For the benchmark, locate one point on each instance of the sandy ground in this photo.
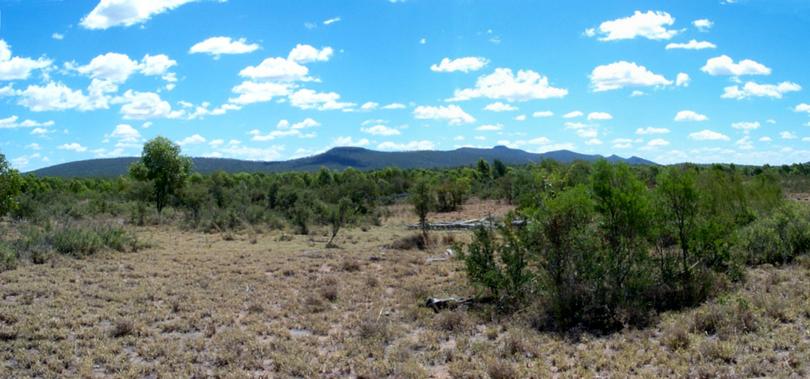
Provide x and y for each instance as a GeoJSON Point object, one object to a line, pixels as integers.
{"type": "Point", "coordinates": [280, 305]}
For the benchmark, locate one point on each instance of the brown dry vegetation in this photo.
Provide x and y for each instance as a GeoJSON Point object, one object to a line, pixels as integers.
{"type": "Point", "coordinates": [280, 305]}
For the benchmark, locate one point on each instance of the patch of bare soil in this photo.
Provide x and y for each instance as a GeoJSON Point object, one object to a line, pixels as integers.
{"type": "Point", "coordinates": [198, 305]}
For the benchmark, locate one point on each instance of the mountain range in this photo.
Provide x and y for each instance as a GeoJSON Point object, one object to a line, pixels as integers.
{"type": "Point", "coordinates": [339, 158]}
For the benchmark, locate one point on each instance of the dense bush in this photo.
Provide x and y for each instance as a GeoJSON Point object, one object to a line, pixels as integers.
{"type": "Point", "coordinates": [608, 246]}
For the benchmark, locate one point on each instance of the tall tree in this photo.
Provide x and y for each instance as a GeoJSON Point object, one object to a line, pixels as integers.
{"type": "Point", "coordinates": [162, 165]}
{"type": "Point", "coordinates": [10, 186]}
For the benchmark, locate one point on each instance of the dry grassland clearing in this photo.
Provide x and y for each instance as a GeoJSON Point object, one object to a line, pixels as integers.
{"type": "Point", "coordinates": [280, 305]}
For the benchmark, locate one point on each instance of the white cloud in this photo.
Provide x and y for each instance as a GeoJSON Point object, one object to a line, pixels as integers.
{"type": "Point", "coordinates": [587, 133]}
{"type": "Point", "coordinates": [622, 143]}
{"type": "Point", "coordinates": [308, 54]}
{"type": "Point", "coordinates": [465, 64]}
{"type": "Point", "coordinates": [765, 139]}
{"type": "Point", "coordinates": [381, 130]}
{"type": "Point", "coordinates": [651, 130]}
{"type": "Point", "coordinates": [687, 115]}
{"type": "Point", "coordinates": [703, 24]}
{"type": "Point", "coordinates": [238, 151]}
{"type": "Point", "coordinates": [489, 128]}
{"type": "Point", "coordinates": [11, 123]}
{"type": "Point", "coordinates": [74, 146]}
{"type": "Point", "coordinates": [331, 21]}
{"type": "Point", "coordinates": [624, 74]}
{"type": "Point", "coordinates": [575, 125]}
{"type": "Point", "coordinates": [503, 84]}
{"type": "Point", "coordinates": [658, 142]}
{"type": "Point", "coordinates": [422, 41]}
{"type": "Point", "coordinates": [691, 45]}
{"type": "Point", "coordinates": [277, 69]}
{"type": "Point", "coordinates": [216, 143]}
{"type": "Point", "coordinates": [195, 139]}
{"type": "Point", "coordinates": [724, 65]}
{"type": "Point", "coordinates": [112, 67]}
{"type": "Point", "coordinates": [126, 133]}
{"type": "Point", "coordinates": [573, 114]}
{"type": "Point", "coordinates": [752, 89]}
{"type": "Point", "coordinates": [803, 107]}
{"type": "Point", "coordinates": [349, 141]}
{"type": "Point", "coordinates": [144, 106]}
{"type": "Point", "coordinates": [500, 107]}
{"type": "Point", "coordinates": [152, 65]}
{"type": "Point", "coordinates": [250, 92]}
{"type": "Point", "coordinates": [682, 80]}
{"type": "Point", "coordinates": [599, 116]}
{"type": "Point", "coordinates": [109, 13]}
{"type": "Point", "coordinates": [394, 106]}
{"type": "Point", "coordinates": [370, 105]}
{"type": "Point", "coordinates": [542, 114]}
{"type": "Point", "coordinates": [452, 113]}
{"type": "Point", "coordinates": [217, 46]}
{"type": "Point", "coordinates": [57, 36]}
{"type": "Point", "coordinates": [651, 25]}
{"type": "Point", "coordinates": [787, 135]}
{"type": "Point", "coordinates": [745, 143]}
{"type": "Point", "coordinates": [18, 68]}
{"type": "Point", "coordinates": [745, 126]}
{"type": "Point", "coordinates": [637, 93]}
{"type": "Point", "coordinates": [57, 97]}
{"type": "Point", "coordinates": [708, 135]}
{"type": "Point", "coordinates": [309, 99]}
{"type": "Point", "coordinates": [409, 146]}
{"type": "Point", "coordinates": [520, 117]}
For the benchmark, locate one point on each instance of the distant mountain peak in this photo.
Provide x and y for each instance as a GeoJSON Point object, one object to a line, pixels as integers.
{"type": "Point", "coordinates": [340, 158]}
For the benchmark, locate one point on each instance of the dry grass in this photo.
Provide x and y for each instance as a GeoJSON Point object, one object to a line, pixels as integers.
{"type": "Point", "coordinates": [199, 305]}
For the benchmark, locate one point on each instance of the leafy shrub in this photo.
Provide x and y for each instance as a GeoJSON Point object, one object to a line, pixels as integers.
{"type": "Point", "coordinates": [76, 241]}
{"type": "Point", "coordinates": [778, 238]}
{"type": "Point", "coordinates": [498, 265]}
{"type": "Point", "coordinates": [8, 257]}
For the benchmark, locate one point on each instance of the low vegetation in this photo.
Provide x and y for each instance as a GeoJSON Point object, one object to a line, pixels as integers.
{"type": "Point", "coordinates": [588, 270]}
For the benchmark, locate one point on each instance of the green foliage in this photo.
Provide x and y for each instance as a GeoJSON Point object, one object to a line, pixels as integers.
{"type": "Point", "coordinates": [498, 265]}
{"type": "Point", "coordinates": [423, 200]}
{"type": "Point", "coordinates": [8, 257]}
{"type": "Point", "coordinates": [451, 193]}
{"type": "Point", "coordinates": [678, 201]}
{"type": "Point", "coordinates": [338, 215]}
{"type": "Point", "coordinates": [162, 165]}
{"type": "Point", "coordinates": [10, 187]}
{"type": "Point", "coordinates": [778, 238]}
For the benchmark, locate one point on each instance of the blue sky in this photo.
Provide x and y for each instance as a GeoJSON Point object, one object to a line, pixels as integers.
{"type": "Point", "coordinates": [700, 81]}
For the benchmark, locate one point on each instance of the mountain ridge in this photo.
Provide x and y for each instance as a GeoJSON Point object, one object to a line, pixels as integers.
{"type": "Point", "coordinates": [339, 158]}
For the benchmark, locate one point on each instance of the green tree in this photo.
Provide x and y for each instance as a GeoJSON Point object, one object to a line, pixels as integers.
{"type": "Point", "coordinates": [10, 186]}
{"type": "Point", "coordinates": [423, 201]}
{"type": "Point", "coordinates": [338, 215]}
{"type": "Point", "coordinates": [483, 170]}
{"type": "Point", "coordinates": [679, 199]}
{"type": "Point", "coordinates": [162, 165]}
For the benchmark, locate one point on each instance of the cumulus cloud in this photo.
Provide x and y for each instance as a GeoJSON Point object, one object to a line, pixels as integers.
{"type": "Point", "coordinates": [542, 114]}
{"type": "Point", "coordinates": [18, 68]}
{"type": "Point", "coordinates": [746, 126]}
{"type": "Point", "coordinates": [55, 96]}
{"type": "Point", "coordinates": [308, 54]}
{"type": "Point", "coordinates": [787, 135]}
{"type": "Point", "coordinates": [394, 106]}
{"type": "Point", "coordinates": [708, 135]}
{"type": "Point", "coordinates": [349, 141]}
{"type": "Point", "coordinates": [310, 99]}
{"type": "Point", "coordinates": [277, 69]}
{"type": "Point", "coordinates": [651, 25]}
{"type": "Point", "coordinates": [573, 114]}
{"type": "Point", "coordinates": [109, 13]}
{"type": "Point", "coordinates": [465, 64]}
{"type": "Point", "coordinates": [725, 66]}
{"type": "Point", "coordinates": [504, 84]}
{"type": "Point", "coordinates": [624, 74]}
{"type": "Point", "coordinates": [331, 21]}
{"type": "Point", "coordinates": [703, 24]}
{"type": "Point", "coordinates": [125, 133]}
{"type": "Point", "coordinates": [500, 107]}
{"type": "Point", "coordinates": [687, 115]}
{"type": "Point", "coordinates": [691, 45]}
{"type": "Point", "coordinates": [217, 46]}
{"type": "Point", "coordinates": [249, 92]}
{"type": "Point", "coordinates": [144, 106]}
{"type": "Point", "coordinates": [408, 146]}
{"type": "Point", "coordinates": [682, 79]}
{"type": "Point", "coordinates": [453, 114]}
{"type": "Point", "coordinates": [803, 107]}
{"type": "Point", "coordinates": [380, 130]}
{"type": "Point", "coordinates": [489, 128]}
{"type": "Point", "coordinates": [651, 130]}
{"type": "Point", "coordinates": [657, 142]}
{"type": "Point", "coordinates": [753, 89]}
{"type": "Point", "coordinates": [11, 122]}
{"type": "Point", "coordinates": [73, 146]}
{"type": "Point", "coordinates": [599, 116]}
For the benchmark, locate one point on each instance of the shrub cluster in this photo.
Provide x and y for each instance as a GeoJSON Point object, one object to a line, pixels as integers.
{"type": "Point", "coordinates": [607, 247]}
